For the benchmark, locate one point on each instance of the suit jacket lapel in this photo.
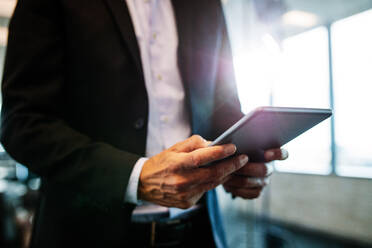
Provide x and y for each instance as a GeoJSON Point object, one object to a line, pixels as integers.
{"type": "Point", "coordinates": [123, 20]}
{"type": "Point", "coordinates": [196, 59]}
{"type": "Point", "coordinates": [184, 13]}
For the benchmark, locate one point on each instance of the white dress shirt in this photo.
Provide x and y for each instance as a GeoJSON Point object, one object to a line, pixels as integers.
{"type": "Point", "coordinates": [168, 123]}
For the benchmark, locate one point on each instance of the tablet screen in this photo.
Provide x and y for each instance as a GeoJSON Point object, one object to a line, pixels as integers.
{"type": "Point", "coordinates": [270, 127]}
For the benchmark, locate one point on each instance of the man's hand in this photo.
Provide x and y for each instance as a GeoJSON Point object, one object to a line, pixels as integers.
{"type": "Point", "coordinates": [249, 181]}
{"type": "Point", "coordinates": [176, 177]}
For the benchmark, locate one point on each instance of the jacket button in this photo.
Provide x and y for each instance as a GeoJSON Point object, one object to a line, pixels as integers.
{"type": "Point", "coordinates": [139, 123]}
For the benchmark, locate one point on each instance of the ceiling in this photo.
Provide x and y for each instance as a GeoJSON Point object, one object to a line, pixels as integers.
{"type": "Point", "coordinates": [288, 17]}
{"type": "Point", "coordinates": [330, 10]}
{"type": "Point", "coordinates": [326, 11]}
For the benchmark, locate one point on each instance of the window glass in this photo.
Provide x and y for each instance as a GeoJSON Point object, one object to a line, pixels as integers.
{"type": "Point", "coordinates": [304, 82]}
{"type": "Point", "coordinates": [255, 73]}
{"type": "Point", "coordinates": [352, 69]}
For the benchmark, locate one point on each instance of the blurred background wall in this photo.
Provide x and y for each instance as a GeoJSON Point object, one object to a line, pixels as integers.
{"type": "Point", "coordinates": [308, 54]}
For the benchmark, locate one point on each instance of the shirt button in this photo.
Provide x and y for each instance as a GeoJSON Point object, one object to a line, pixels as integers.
{"type": "Point", "coordinates": [159, 77]}
{"type": "Point", "coordinates": [139, 123]}
{"type": "Point", "coordinates": [154, 35]}
{"type": "Point", "coordinates": [164, 118]}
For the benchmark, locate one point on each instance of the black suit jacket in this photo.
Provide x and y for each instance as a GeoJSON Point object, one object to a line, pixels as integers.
{"type": "Point", "coordinates": [75, 107]}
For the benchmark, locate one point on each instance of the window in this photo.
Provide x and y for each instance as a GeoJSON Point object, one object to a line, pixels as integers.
{"type": "Point", "coordinates": [352, 70]}
{"type": "Point", "coordinates": [299, 72]}
{"type": "Point", "coordinates": [304, 82]}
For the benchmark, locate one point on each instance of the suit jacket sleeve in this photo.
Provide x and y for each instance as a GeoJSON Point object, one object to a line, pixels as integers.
{"type": "Point", "coordinates": [33, 129]}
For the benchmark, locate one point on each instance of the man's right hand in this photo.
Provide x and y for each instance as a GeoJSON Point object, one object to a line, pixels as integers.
{"type": "Point", "coordinates": [176, 177]}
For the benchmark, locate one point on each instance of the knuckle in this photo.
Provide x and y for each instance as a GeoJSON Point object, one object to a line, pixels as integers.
{"type": "Point", "coordinates": [182, 161]}
{"type": "Point", "coordinates": [261, 170]}
{"type": "Point", "coordinates": [197, 138]}
{"type": "Point", "coordinates": [222, 171]}
{"type": "Point", "coordinates": [196, 160]}
{"type": "Point", "coordinates": [183, 197]}
{"type": "Point", "coordinates": [179, 187]}
{"type": "Point", "coordinates": [218, 151]}
{"type": "Point", "coordinates": [172, 161]}
{"type": "Point", "coordinates": [236, 163]}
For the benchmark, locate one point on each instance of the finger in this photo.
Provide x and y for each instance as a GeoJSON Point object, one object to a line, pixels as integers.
{"type": "Point", "coordinates": [190, 144]}
{"type": "Point", "coordinates": [209, 142]}
{"type": "Point", "coordinates": [255, 170]}
{"type": "Point", "coordinates": [219, 171]}
{"type": "Point", "coordinates": [245, 182]}
{"type": "Point", "coordinates": [211, 185]}
{"type": "Point", "coordinates": [192, 183]}
{"type": "Point", "coordinates": [199, 188]}
{"type": "Point", "coordinates": [276, 154]}
{"type": "Point", "coordinates": [244, 193]}
{"type": "Point", "coordinates": [203, 156]}
{"type": "Point", "coordinates": [195, 194]}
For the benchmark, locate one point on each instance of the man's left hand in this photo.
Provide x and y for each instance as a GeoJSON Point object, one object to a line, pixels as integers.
{"type": "Point", "coordinates": [249, 181]}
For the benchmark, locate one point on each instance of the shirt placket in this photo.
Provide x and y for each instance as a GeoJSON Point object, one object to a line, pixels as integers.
{"type": "Point", "coordinates": [157, 75]}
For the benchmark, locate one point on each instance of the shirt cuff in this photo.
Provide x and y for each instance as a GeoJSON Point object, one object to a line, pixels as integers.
{"type": "Point", "coordinates": [131, 194]}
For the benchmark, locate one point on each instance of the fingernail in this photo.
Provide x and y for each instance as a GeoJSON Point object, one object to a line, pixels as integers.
{"type": "Point", "coordinates": [257, 181]}
{"type": "Point", "coordinates": [270, 154]}
{"type": "Point", "coordinates": [243, 159]}
{"type": "Point", "coordinates": [230, 149]}
{"type": "Point", "coordinates": [266, 180]}
{"type": "Point", "coordinates": [284, 154]}
{"type": "Point", "coordinates": [269, 169]}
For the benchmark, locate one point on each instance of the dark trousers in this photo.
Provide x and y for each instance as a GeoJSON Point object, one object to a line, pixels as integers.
{"type": "Point", "coordinates": [194, 231]}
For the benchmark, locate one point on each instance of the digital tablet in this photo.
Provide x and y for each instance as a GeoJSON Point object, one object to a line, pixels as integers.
{"type": "Point", "coordinates": [270, 127]}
